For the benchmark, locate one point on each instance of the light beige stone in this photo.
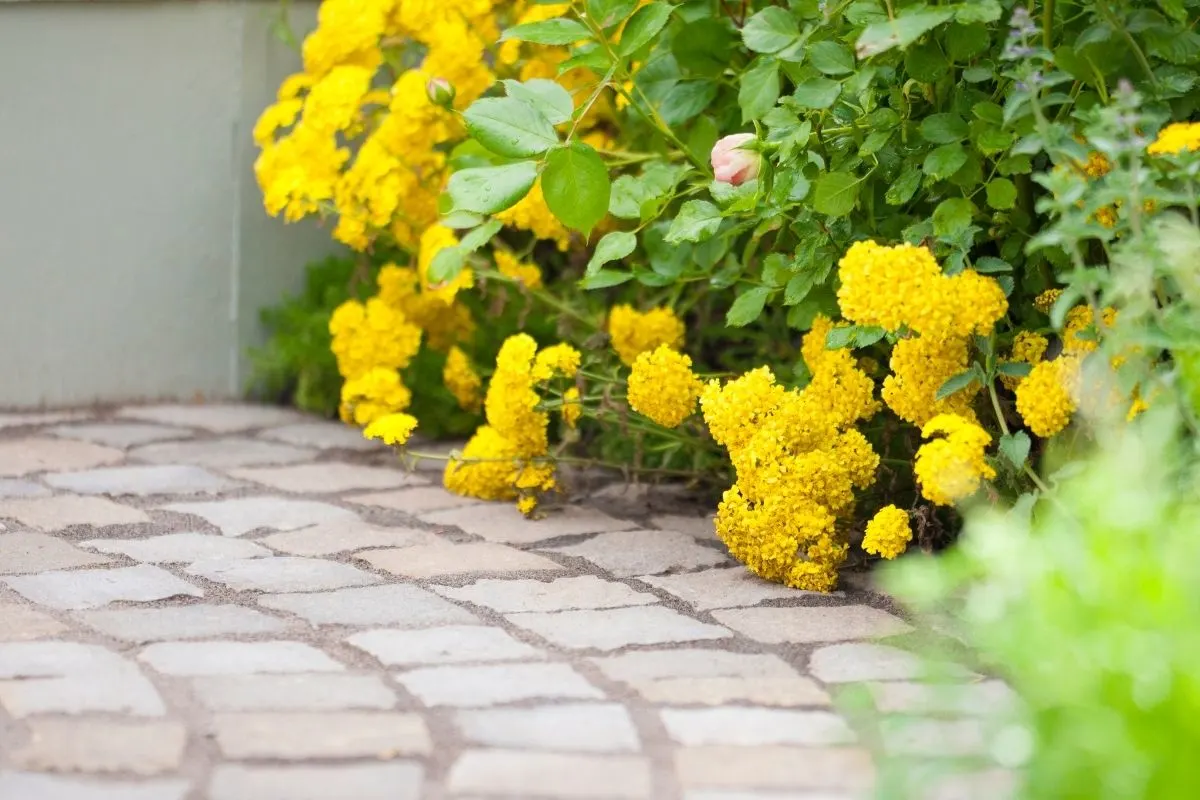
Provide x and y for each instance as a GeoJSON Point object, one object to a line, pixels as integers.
{"type": "Point", "coordinates": [446, 560]}
{"type": "Point", "coordinates": [345, 536]}
{"type": "Point", "coordinates": [37, 552]}
{"type": "Point", "coordinates": [519, 773]}
{"type": "Point", "coordinates": [720, 588]}
{"type": "Point", "coordinates": [578, 592]}
{"type": "Point", "coordinates": [507, 525]}
{"type": "Point", "coordinates": [415, 500]}
{"type": "Point", "coordinates": [773, 767]}
{"type": "Point", "coordinates": [20, 623]}
{"type": "Point", "coordinates": [56, 513]}
{"type": "Point", "coordinates": [101, 745]}
{"type": "Point", "coordinates": [327, 477]}
{"type": "Point", "coordinates": [37, 454]}
{"type": "Point", "coordinates": [803, 624]}
{"type": "Point", "coordinates": [297, 735]}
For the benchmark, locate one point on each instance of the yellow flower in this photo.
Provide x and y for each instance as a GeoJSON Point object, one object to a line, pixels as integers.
{"type": "Point", "coordinates": [1079, 330]}
{"type": "Point", "coordinates": [733, 411]}
{"type": "Point", "coordinates": [560, 359]}
{"type": "Point", "coordinates": [1106, 217]}
{"type": "Point", "coordinates": [1176, 138]}
{"type": "Point", "coordinates": [293, 85]}
{"type": "Point", "coordinates": [663, 387]}
{"type": "Point", "coordinates": [434, 240]}
{"type": "Point", "coordinates": [952, 468]}
{"type": "Point", "coordinates": [529, 275]}
{"type": "Point", "coordinates": [371, 335]}
{"type": "Point", "coordinates": [373, 395]}
{"type": "Point", "coordinates": [1028, 348]}
{"type": "Point", "coordinates": [1096, 166]}
{"type": "Point", "coordinates": [511, 403]}
{"type": "Point", "coordinates": [394, 429]}
{"type": "Point", "coordinates": [444, 323]}
{"type": "Point", "coordinates": [1046, 300]}
{"type": "Point", "coordinates": [634, 332]}
{"type": "Point", "coordinates": [333, 102]}
{"type": "Point", "coordinates": [462, 380]}
{"type": "Point", "coordinates": [1045, 396]}
{"type": "Point", "coordinates": [280, 115]}
{"type": "Point", "coordinates": [485, 469]}
{"type": "Point", "coordinates": [299, 172]}
{"type": "Point", "coordinates": [572, 408]}
{"type": "Point", "coordinates": [920, 366]}
{"type": "Point", "coordinates": [348, 32]}
{"type": "Point", "coordinates": [888, 533]}
{"type": "Point", "coordinates": [531, 214]}
{"type": "Point", "coordinates": [527, 504]}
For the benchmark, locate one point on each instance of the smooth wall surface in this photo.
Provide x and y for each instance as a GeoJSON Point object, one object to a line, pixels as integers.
{"type": "Point", "coordinates": [134, 250]}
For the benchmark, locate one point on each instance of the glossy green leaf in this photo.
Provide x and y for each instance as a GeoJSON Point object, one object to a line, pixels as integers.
{"type": "Point", "coordinates": [835, 193]}
{"type": "Point", "coordinates": [604, 278]}
{"type": "Point", "coordinates": [576, 186]}
{"type": "Point", "coordinates": [830, 58]}
{"type": "Point", "coordinates": [612, 247]}
{"type": "Point", "coordinates": [489, 190]}
{"type": "Point", "coordinates": [747, 307]}
{"type": "Point", "coordinates": [759, 90]}
{"type": "Point", "coordinates": [696, 221]}
{"type": "Point", "coordinates": [551, 31]}
{"type": "Point", "coordinates": [952, 216]}
{"type": "Point", "coordinates": [880, 37]}
{"type": "Point", "coordinates": [817, 93]}
{"type": "Point", "coordinates": [944, 161]}
{"type": "Point", "coordinates": [770, 30]}
{"type": "Point", "coordinates": [509, 127]}
{"type": "Point", "coordinates": [1001, 193]}
{"type": "Point", "coordinates": [643, 26]}
{"type": "Point", "coordinates": [1015, 448]}
{"type": "Point", "coordinates": [546, 96]}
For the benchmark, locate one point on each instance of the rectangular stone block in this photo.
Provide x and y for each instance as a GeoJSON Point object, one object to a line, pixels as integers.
{"type": "Point", "coordinates": [450, 561]}
{"type": "Point", "coordinates": [20, 623]}
{"type": "Point", "coordinates": [30, 785]}
{"type": "Point", "coordinates": [614, 628]}
{"type": "Point", "coordinates": [451, 644]}
{"type": "Point", "coordinates": [316, 692]}
{"type": "Point", "coordinates": [524, 774]}
{"type": "Point", "coordinates": [394, 781]}
{"type": "Point", "coordinates": [327, 477]}
{"type": "Point", "coordinates": [297, 735]}
{"type": "Point", "coordinates": [55, 513]}
{"type": "Point", "coordinates": [236, 658]}
{"type": "Point", "coordinates": [774, 767]}
{"type": "Point", "coordinates": [181, 622]}
{"type": "Point", "coordinates": [561, 594]}
{"type": "Point", "coordinates": [467, 687]}
{"type": "Point", "coordinates": [38, 552]}
{"type": "Point", "coordinates": [281, 574]}
{"type": "Point", "coordinates": [754, 727]}
{"type": "Point", "coordinates": [506, 525]}
{"type": "Point", "coordinates": [92, 588]}
{"type": "Point", "coordinates": [582, 727]}
{"type": "Point", "coordinates": [94, 745]}
{"type": "Point", "coordinates": [72, 678]}
{"type": "Point", "coordinates": [391, 604]}
{"type": "Point", "coordinates": [804, 624]}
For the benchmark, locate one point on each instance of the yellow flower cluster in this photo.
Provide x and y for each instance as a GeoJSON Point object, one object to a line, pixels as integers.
{"type": "Point", "coordinates": [1176, 138]}
{"type": "Point", "coordinates": [1045, 397]}
{"type": "Point", "coordinates": [529, 275]}
{"type": "Point", "coordinates": [951, 468]}
{"type": "Point", "coordinates": [444, 323]}
{"type": "Point", "coordinates": [798, 460]}
{"type": "Point", "coordinates": [888, 533]}
{"type": "Point", "coordinates": [1027, 348]}
{"type": "Point", "coordinates": [374, 394]}
{"type": "Point", "coordinates": [633, 332]}
{"type": "Point", "coordinates": [371, 335]}
{"type": "Point", "coordinates": [461, 379]}
{"type": "Point", "coordinates": [393, 429]}
{"type": "Point", "coordinates": [663, 387]}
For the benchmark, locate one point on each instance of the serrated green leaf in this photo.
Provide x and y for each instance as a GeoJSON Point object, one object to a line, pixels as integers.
{"type": "Point", "coordinates": [944, 161]}
{"type": "Point", "coordinates": [904, 187]}
{"type": "Point", "coordinates": [696, 221]}
{"type": "Point", "coordinates": [576, 187]}
{"type": "Point", "coordinates": [1014, 369]}
{"type": "Point", "coordinates": [551, 31]}
{"type": "Point", "coordinates": [604, 278]}
{"type": "Point", "coordinates": [770, 30]}
{"type": "Point", "coordinates": [552, 100]}
{"type": "Point", "coordinates": [835, 193]}
{"type": "Point", "coordinates": [509, 127]}
{"type": "Point", "coordinates": [830, 58]}
{"type": "Point", "coordinates": [446, 265]}
{"type": "Point", "coordinates": [480, 236]}
{"type": "Point", "coordinates": [989, 265]}
{"type": "Point", "coordinates": [1001, 193]}
{"type": "Point", "coordinates": [612, 247]}
{"type": "Point", "coordinates": [490, 190]}
{"type": "Point", "coordinates": [944, 128]}
{"type": "Point", "coordinates": [952, 216]}
{"type": "Point", "coordinates": [643, 26]}
{"type": "Point", "coordinates": [959, 382]}
{"type": "Point", "coordinates": [1015, 448]}
{"type": "Point", "coordinates": [879, 37]}
{"type": "Point", "coordinates": [607, 13]}
{"type": "Point", "coordinates": [817, 93]}
{"type": "Point", "coordinates": [747, 307]}
{"type": "Point", "coordinates": [759, 90]}
{"type": "Point", "coordinates": [978, 11]}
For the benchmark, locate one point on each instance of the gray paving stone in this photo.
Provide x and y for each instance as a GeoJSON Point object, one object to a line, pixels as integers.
{"type": "Point", "coordinates": [56, 513]}
{"type": "Point", "coordinates": [29, 419]}
{"type": "Point", "coordinates": [524, 774]}
{"type": "Point", "coordinates": [20, 623]}
{"type": "Point", "coordinates": [391, 604]}
{"type": "Point", "coordinates": [579, 727]}
{"type": "Point", "coordinates": [327, 477]}
{"type": "Point", "coordinates": [721, 588]}
{"type": "Point", "coordinates": [141, 481]}
{"type": "Point", "coordinates": [16, 488]}
{"type": "Point", "coordinates": [754, 727]}
{"type": "Point", "coordinates": [447, 561]}
{"type": "Point", "coordinates": [318, 692]}
{"type": "Point", "coordinates": [345, 536]}
{"type": "Point", "coordinates": [39, 552]}
{"type": "Point", "coordinates": [613, 628]}
{"type": "Point", "coordinates": [863, 661]}
{"type": "Point", "coordinates": [92, 588]}
{"type": "Point", "coordinates": [801, 624]}
{"type": "Point", "coordinates": [702, 528]}
{"type": "Point", "coordinates": [493, 684]}
{"type": "Point", "coordinates": [20, 457]}
{"type": "Point", "coordinates": [95, 745]}
{"type": "Point", "coordinates": [244, 514]}
{"type": "Point", "coordinates": [983, 698]}
{"type": "Point", "coordinates": [300, 735]}
{"type": "Point", "coordinates": [933, 738]}
{"type": "Point", "coordinates": [172, 623]}
{"type": "Point", "coordinates": [236, 658]}
{"type": "Point", "coordinates": [774, 767]}
{"type": "Point", "coordinates": [122, 435]}
{"type": "Point", "coordinates": [450, 644]}
{"type": "Point", "coordinates": [414, 500]}
{"type": "Point", "coordinates": [629, 553]}
{"type": "Point", "coordinates": [178, 548]}
{"type": "Point", "coordinates": [72, 678]}
{"type": "Point", "coordinates": [223, 418]}
{"type": "Point", "coordinates": [579, 592]}
{"type": "Point", "coordinates": [322, 435]}
{"type": "Point", "coordinates": [222, 453]}
{"type": "Point", "coordinates": [281, 574]}
{"type": "Point", "coordinates": [32, 786]}
{"type": "Point", "coordinates": [396, 781]}
{"type": "Point", "coordinates": [712, 677]}
{"type": "Point", "coordinates": [505, 524]}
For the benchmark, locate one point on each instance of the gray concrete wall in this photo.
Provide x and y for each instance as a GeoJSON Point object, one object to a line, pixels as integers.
{"type": "Point", "coordinates": [134, 250]}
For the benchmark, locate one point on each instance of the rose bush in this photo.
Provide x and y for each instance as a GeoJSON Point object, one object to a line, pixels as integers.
{"type": "Point", "coordinates": [832, 257]}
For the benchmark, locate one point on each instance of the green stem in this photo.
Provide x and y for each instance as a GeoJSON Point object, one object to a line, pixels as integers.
{"type": "Point", "coordinates": [1047, 23]}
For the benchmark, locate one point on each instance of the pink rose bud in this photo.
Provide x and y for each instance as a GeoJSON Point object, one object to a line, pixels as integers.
{"type": "Point", "coordinates": [731, 164]}
{"type": "Point", "coordinates": [440, 92]}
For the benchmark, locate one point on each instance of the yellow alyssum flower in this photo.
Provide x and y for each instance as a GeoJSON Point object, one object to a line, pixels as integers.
{"type": "Point", "coordinates": [299, 172]}
{"type": "Point", "coordinates": [663, 387]}
{"type": "Point", "coordinates": [485, 469]}
{"type": "Point", "coordinates": [634, 332]}
{"type": "Point", "coordinates": [333, 102]}
{"type": "Point", "coordinates": [920, 366]}
{"type": "Point", "coordinates": [839, 391]}
{"type": "Point", "coordinates": [1045, 397]}
{"type": "Point", "coordinates": [951, 468]}
{"type": "Point", "coordinates": [560, 360]}
{"type": "Point", "coordinates": [348, 32]}
{"type": "Point", "coordinates": [293, 86]}
{"type": "Point", "coordinates": [462, 380]}
{"type": "Point", "coordinates": [529, 275]}
{"type": "Point", "coordinates": [372, 395]}
{"type": "Point", "coordinates": [371, 335]}
{"type": "Point", "coordinates": [1096, 166]}
{"type": "Point", "coordinates": [733, 411]}
{"type": "Point", "coordinates": [1045, 301]}
{"type": "Point", "coordinates": [444, 324]}
{"type": "Point", "coordinates": [393, 429]}
{"type": "Point", "coordinates": [274, 117]}
{"type": "Point", "coordinates": [888, 533]}
{"type": "Point", "coordinates": [1176, 138]}
{"type": "Point", "coordinates": [1027, 348]}
{"type": "Point", "coordinates": [511, 402]}
{"type": "Point", "coordinates": [572, 408]}
{"type": "Point", "coordinates": [1079, 329]}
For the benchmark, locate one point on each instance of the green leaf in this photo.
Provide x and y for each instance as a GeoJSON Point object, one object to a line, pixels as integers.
{"type": "Point", "coordinates": [1015, 448]}
{"type": "Point", "coordinates": [978, 11]}
{"type": "Point", "coordinates": [944, 161]}
{"type": "Point", "coordinates": [835, 193]}
{"type": "Point", "coordinates": [606, 13]}
{"type": "Point", "coordinates": [704, 47]}
{"type": "Point", "coordinates": [687, 99]}
{"type": "Point", "coordinates": [696, 221]}
{"type": "Point", "coordinates": [747, 307]}
{"type": "Point", "coordinates": [630, 194]}
{"type": "Point", "coordinates": [604, 278]}
{"type": "Point", "coordinates": [612, 247]}
{"type": "Point", "coordinates": [990, 265]}
{"type": "Point", "coordinates": [964, 42]}
{"type": "Point", "coordinates": [643, 26]}
{"type": "Point", "coordinates": [993, 140]}
{"type": "Point", "coordinates": [959, 382]}
{"type": "Point", "coordinates": [830, 58]}
{"type": "Point", "coordinates": [1001, 193]}
{"type": "Point", "coordinates": [1014, 369]}
{"type": "Point", "coordinates": [880, 37]}
{"type": "Point", "coordinates": [944, 128]}
{"type": "Point", "coordinates": [551, 31]}
{"type": "Point", "coordinates": [510, 127]}
{"type": "Point", "coordinates": [770, 30]}
{"type": "Point", "coordinates": [576, 186]}
{"type": "Point", "coordinates": [952, 216]}
{"type": "Point", "coordinates": [549, 98]}
{"type": "Point", "coordinates": [489, 190]}
{"type": "Point", "coordinates": [853, 336]}
{"type": "Point", "coordinates": [817, 93]}
{"type": "Point", "coordinates": [446, 264]}
{"type": "Point", "coordinates": [904, 187]}
{"type": "Point", "coordinates": [759, 90]}
{"type": "Point", "coordinates": [798, 288]}
{"type": "Point", "coordinates": [480, 236]}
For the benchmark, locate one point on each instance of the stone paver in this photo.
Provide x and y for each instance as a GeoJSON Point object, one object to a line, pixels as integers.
{"type": "Point", "coordinates": [505, 524]}
{"type": "Point", "coordinates": [141, 481]}
{"type": "Point", "coordinates": [800, 624]}
{"type": "Point", "coordinates": [55, 513]}
{"type": "Point", "coordinates": [38, 552]}
{"type": "Point", "coordinates": [322, 691]}
{"type": "Point", "coordinates": [178, 548]}
{"type": "Point", "coordinates": [42, 454]}
{"type": "Point", "coordinates": [300, 735]}
{"type": "Point", "coordinates": [720, 588]}
{"type": "Point", "coordinates": [236, 658]}
{"type": "Point", "coordinates": [29, 785]}
{"type": "Point", "coordinates": [10, 487]}
{"type": "Point", "coordinates": [697, 527]}
{"type": "Point", "coordinates": [414, 500]}
{"type": "Point", "coordinates": [322, 435]}
{"type": "Point", "coordinates": [747, 727]}
{"type": "Point", "coordinates": [642, 552]}
{"type": "Point", "coordinates": [583, 727]}
{"type": "Point", "coordinates": [345, 536]}
{"type": "Point", "coordinates": [120, 434]}
{"type": "Point", "coordinates": [395, 781]}
{"type": "Point", "coordinates": [561, 594]}
{"type": "Point", "coordinates": [615, 628]}
{"type": "Point", "coordinates": [244, 514]}
{"type": "Point", "coordinates": [92, 588]}
{"type": "Point", "coordinates": [19, 420]}
{"type": "Point", "coordinates": [773, 767]}
{"type": "Point", "coordinates": [517, 773]}
{"type": "Point", "coordinates": [328, 477]}
{"type": "Point", "coordinates": [863, 661]}
{"type": "Point", "coordinates": [92, 745]}
{"type": "Point", "coordinates": [467, 687]}
{"type": "Point", "coordinates": [223, 418]}
{"type": "Point", "coordinates": [281, 574]}
{"type": "Point", "coordinates": [20, 623]}
{"type": "Point", "coordinates": [72, 678]}
{"type": "Point", "coordinates": [171, 623]}
{"type": "Point", "coordinates": [978, 698]}
{"type": "Point", "coordinates": [449, 561]}
{"type": "Point", "coordinates": [393, 604]}
{"type": "Point", "coordinates": [222, 453]}
{"type": "Point", "coordinates": [446, 645]}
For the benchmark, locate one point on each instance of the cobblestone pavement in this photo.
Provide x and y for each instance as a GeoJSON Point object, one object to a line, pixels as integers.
{"type": "Point", "coordinates": [241, 603]}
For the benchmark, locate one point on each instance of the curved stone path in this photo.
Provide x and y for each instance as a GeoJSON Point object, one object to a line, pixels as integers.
{"type": "Point", "coordinates": [235, 602]}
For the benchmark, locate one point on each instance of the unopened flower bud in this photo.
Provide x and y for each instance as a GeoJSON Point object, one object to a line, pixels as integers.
{"type": "Point", "coordinates": [440, 92]}
{"type": "Point", "coordinates": [733, 165]}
